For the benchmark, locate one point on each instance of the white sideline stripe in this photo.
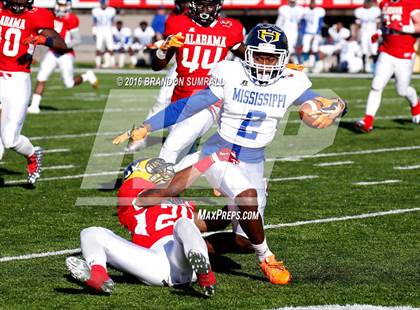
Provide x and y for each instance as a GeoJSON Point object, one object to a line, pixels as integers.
{"type": "Point", "coordinates": [66, 177]}
{"type": "Point", "coordinates": [38, 255]}
{"type": "Point", "coordinates": [58, 167]}
{"type": "Point", "coordinates": [111, 154]}
{"type": "Point", "coordinates": [348, 307]}
{"type": "Point", "coordinates": [377, 182]}
{"type": "Point", "coordinates": [362, 152]}
{"type": "Point", "coordinates": [335, 163]}
{"type": "Point", "coordinates": [272, 226]}
{"type": "Point", "coordinates": [407, 167]}
{"type": "Point", "coordinates": [303, 177]}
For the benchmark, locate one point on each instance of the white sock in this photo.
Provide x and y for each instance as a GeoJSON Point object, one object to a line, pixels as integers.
{"type": "Point", "coordinates": [262, 251]}
{"type": "Point", "coordinates": [133, 60]}
{"type": "Point", "coordinates": [373, 102]}
{"type": "Point", "coordinates": [112, 60]}
{"type": "Point", "coordinates": [187, 234]}
{"type": "Point", "coordinates": [36, 100]}
{"type": "Point", "coordinates": [92, 242]}
{"type": "Point", "coordinates": [1, 149]}
{"type": "Point", "coordinates": [98, 61]}
{"type": "Point", "coordinates": [121, 60]}
{"type": "Point", "coordinates": [24, 146]}
{"type": "Point", "coordinates": [84, 77]}
{"type": "Point", "coordinates": [411, 96]}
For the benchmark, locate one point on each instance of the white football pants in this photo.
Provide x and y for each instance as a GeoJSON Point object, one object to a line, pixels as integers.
{"type": "Point", "coordinates": [15, 90]}
{"type": "Point", "coordinates": [164, 264]}
{"type": "Point", "coordinates": [65, 63]}
{"type": "Point", "coordinates": [386, 66]}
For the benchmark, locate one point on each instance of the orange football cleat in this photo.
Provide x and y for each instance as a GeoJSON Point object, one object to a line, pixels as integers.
{"type": "Point", "coordinates": [275, 271]}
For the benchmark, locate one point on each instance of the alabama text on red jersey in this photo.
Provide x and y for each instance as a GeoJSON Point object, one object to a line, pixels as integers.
{"type": "Point", "coordinates": [399, 45]}
{"type": "Point", "coordinates": [149, 224]}
{"type": "Point", "coordinates": [63, 26]}
{"type": "Point", "coordinates": [203, 48]}
{"type": "Point", "coordinates": [14, 29]}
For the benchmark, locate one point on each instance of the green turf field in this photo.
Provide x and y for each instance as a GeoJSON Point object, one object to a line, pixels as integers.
{"type": "Point", "coordinates": [371, 260]}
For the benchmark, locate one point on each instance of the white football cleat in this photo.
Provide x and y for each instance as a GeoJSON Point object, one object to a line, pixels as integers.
{"type": "Point", "coordinates": [80, 270]}
{"type": "Point", "coordinates": [92, 79]}
{"type": "Point", "coordinates": [34, 110]}
{"type": "Point", "coordinates": [34, 166]}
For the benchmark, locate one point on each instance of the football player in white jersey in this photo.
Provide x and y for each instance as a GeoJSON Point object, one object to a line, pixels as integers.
{"type": "Point", "coordinates": [122, 42]}
{"type": "Point", "coordinates": [255, 95]}
{"type": "Point", "coordinates": [313, 18]}
{"type": "Point", "coordinates": [67, 25]}
{"type": "Point", "coordinates": [368, 19]}
{"type": "Point", "coordinates": [288, 20]}
{"type": "Point", "coordinates": [103, 19]}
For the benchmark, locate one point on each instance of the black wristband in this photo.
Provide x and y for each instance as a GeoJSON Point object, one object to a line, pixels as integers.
{"type": "Point", "coordinates": [49, 42]}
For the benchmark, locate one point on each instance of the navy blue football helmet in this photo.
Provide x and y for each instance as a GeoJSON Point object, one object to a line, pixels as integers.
{"type": "Point", "coordinates": [265, 39]}
{"type": "Point", "coordinates": [205, 12]}
{"type": "Point", "coordinates": [18, 6]}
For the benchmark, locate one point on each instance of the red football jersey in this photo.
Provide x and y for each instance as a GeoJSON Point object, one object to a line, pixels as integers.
{"type": "Point", "coordinates": [149, 225]}
{"type": "Point", "coordinates": [397, 44]}
{"type": "Point", "coordinates": [63, 25]}
{"type": "Point", "coordinates": [203, 48]}
{"type": "Point", "coordinates": [14, 29]}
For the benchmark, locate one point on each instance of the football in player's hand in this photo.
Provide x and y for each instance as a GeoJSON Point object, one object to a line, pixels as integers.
{"type": "Point", "coordinates": [307, 109]}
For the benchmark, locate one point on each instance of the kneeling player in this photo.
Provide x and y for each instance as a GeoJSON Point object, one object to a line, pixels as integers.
{"type": "Point", "coordinates": [166, 246]}
{"type": "Point", "coordinates": [67, 25]}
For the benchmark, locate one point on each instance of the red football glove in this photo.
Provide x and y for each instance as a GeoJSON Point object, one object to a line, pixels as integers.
{"type": "Point", "coordinates": [39, 39]}
{"type": "Point", "coordinates": [395, 25]}
{"type": "Point", "coordinates": [375, 37]}
{"type": "Point", "coordinates": [225, 155]}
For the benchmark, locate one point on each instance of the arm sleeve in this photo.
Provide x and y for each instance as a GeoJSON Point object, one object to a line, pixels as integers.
{"type": "Point", "coordinates": [182, 109]}
{"type": "Point", "coordinates": [306, 95]}
{"type": "Point", "coordinates": [45, 20]}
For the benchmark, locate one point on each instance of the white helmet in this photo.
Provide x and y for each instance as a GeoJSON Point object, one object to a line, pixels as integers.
{"type": "Point", "coordinates": [62, 7]}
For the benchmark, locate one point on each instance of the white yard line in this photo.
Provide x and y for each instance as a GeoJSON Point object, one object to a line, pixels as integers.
{"type": "Point", "coordinates": [377, 182]}
{"type": "Point", "coordinates": [83, 111]}
{"type": "Point", "coordinates": [299, 178]}
{"type": "Point", "coordinates": [56, 151]}
{"type": "Point", "coordinates": [361, 152]}
{"type": "Point", "coordinates": [335, 163]}
{"type": "Point", "coordinates": [66, 177]}
{"type": "Point", "coordinates": [270, 226]}
{"type": "Point", "coordinates": [58, 167]}
{"type": "Point", "coordinates": [348, 307]}
{"type": "Point", "coordinates": [71, 136]}
{"type": "Point", "coordinates": [407, 167]}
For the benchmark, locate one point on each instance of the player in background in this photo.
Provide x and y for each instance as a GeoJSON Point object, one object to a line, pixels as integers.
{"type": "Point", "coordinates": [289, 17]}
{"type": "Point", "coordinates": [401, 24]}
{"type": "Point", "coordinates": [166, 246]}
{"type": "Point", "coordinates": [199, 40]}
{"type": "Point", "coordinates": [255, 94]}
{"type": "Point", "coordinates": [122, 43]}
{"type": "Point", "coordinates": [368, 19]}
{"type": "Point", "coordinates": [67, 25]}
{"type": "Point", "coordinates": [22, 28]}
{"type": "Point", "coordinates": [143, 37]}
{"type": "Point", "coordinates": [313, 21]}
{"type": "Point", "coordinates": [103, 20]}
{"type": "Point", "coordinates": [165, 92]}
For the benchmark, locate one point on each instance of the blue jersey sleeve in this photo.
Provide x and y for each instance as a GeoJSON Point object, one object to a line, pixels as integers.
{"type": "Point", "coordinates": [306, 95]}
{"type": "Point", "coordinates": [182, 109]}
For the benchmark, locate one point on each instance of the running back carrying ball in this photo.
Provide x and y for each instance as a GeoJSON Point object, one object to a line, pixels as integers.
{"type": "Point", "coordinates": [320, 112]}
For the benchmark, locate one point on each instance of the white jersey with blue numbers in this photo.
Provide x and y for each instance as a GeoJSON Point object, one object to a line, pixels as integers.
{"type": "Point", "coordinates": [250, 112]}
{"type": "Point", "coordinates": [313, 20]}
{"type": "Point", "coordinates": [103, 19]}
